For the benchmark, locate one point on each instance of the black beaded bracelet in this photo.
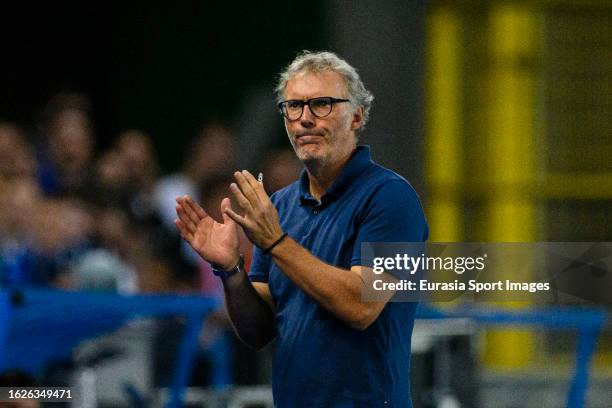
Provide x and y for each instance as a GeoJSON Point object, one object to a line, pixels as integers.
{"type": "Point", "coordinates": [278, 241]}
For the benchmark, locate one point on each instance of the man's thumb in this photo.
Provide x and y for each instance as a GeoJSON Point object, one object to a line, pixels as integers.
{"type": "Point", "coordinates": [225, 204]}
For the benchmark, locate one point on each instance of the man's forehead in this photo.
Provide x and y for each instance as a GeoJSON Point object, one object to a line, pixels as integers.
{"type": "Point", "coordinates": [312, 84]}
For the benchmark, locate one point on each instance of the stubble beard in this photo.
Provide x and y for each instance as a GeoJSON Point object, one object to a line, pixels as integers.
{"type": "Point", "coordinates": [315, 158]}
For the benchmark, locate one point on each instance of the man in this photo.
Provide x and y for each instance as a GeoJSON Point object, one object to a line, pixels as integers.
{"type": "Point", "coordinates": [304, 285]}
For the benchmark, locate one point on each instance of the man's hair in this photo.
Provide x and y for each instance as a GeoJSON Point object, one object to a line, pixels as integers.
{"type": "Point", "coordinates": [325, 61]}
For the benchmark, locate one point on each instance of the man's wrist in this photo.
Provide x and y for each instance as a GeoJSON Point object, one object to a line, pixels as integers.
{"type": "Point", "coordinates": [226, 273]}
{"type": "Point", "coordinates": [275, 243]}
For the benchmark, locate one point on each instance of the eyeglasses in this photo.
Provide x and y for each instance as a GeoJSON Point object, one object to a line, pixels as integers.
{"type": "Point", "coordinates": [293, 109]}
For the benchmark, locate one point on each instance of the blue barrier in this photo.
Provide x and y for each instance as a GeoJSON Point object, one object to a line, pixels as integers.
{"type": "Point", "coordinates": [45, 325]}
{"type": "Point", "coordinates": [588, 323]}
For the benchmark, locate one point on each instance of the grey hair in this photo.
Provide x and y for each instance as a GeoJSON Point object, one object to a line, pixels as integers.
{"type": "Point", "coordinates": [324, 61]}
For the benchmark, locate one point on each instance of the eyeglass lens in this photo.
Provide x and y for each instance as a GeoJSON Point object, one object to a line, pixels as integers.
{"type": "Point", "coordinates": [320, 107]}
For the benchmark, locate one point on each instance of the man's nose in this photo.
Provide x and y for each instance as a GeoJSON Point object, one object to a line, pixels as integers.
{"type": "Point", "coordinates": [307, 119]}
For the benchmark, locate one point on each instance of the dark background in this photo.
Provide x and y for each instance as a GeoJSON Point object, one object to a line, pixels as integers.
{"type": "Point", "coordinates": [167, 68]}
{"type": "Point", "coordinates": [162, 69]}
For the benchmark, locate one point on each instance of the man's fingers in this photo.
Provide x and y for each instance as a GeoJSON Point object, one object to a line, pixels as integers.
{"type": "Point", "coordinates": [185, 219]}
{"type": "Point", "coordinates": [189, 207]}
{"type": "Point", "coordinates": [242, 200]}
{"type": "Point", "coordinates": [196, 207]}
{"type": "Point", "coordinates": [237, 218]}
{"type": "Point", "coordinates": [257, 186]}
{"type": "Point", "coordinates": [225, 204]}
{"type": "Point", "coordinates": [185, 234]}
{"type": "Point", "coordinates": [249, 178]}
{"type": "Point", "coordinates": [246, 187]}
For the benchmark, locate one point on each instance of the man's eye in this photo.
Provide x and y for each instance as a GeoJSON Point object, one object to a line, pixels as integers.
{"type": "Point", "coordinates": [320, 103]}
{"type": "Point", "coordinates": [294, 104]}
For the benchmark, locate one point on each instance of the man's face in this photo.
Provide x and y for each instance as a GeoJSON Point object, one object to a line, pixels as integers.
{"type": "Point", "coordinates": [322, 140]}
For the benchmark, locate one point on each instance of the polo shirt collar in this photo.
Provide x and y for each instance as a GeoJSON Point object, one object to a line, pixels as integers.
{"type": "Point", "coordinates": [359, 161]}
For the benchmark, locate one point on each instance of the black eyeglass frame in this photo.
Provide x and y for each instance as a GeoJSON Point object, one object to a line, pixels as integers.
{"type": "Point", "coordinates": [332, 102]}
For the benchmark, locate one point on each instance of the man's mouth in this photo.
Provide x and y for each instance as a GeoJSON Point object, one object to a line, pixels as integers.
{"type": "Point", "coordinates": [308, 138]}
{"type": "Point", "coordinates": [305, 138]}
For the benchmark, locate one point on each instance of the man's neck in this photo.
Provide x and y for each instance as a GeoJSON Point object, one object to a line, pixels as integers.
{"type": "Point", "coordinates": [321, 177]}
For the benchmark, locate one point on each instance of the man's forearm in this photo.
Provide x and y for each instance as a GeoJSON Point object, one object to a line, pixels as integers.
{"type": "Point", "coordinates": [251, 316]}
{"type": "Point", "coordinates": [337, 290]}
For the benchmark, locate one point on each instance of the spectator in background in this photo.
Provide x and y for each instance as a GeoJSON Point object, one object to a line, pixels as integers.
{"type": "Point", "coordinates": [125, 175]}
{"type": "Point", "coordinates": [139, 162]}
{"type": "Point", "coordinates": [110, 180]}
{"type": "Point", "coordinates": [38, 236]}
{"type": "Point", "coordinates": [68, 146]}
{"type": "Point", "coordinates": [17, 160]}
{"type": "Point", "coordinates": [136, 150]}
{"type": "Point", "coordinates": [211, 154]}
{"type": "Point", "coordinates": [19, 199]}
{"type": "Point", "coordinates": [124, 179]}
{"type": "Point", "coordinates": [109, 265]}
{"type": "Point", "coordinates": [63, 229]}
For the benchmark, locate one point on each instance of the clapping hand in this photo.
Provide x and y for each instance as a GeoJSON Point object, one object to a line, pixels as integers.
{"type": "Point", "coordinates": [218, 243]}
{"type": "Point", "coordinates": [260, 220]}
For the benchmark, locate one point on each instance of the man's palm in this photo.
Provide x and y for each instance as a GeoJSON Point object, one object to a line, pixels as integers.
{"type": "Point", "coordinates": [216, 242]}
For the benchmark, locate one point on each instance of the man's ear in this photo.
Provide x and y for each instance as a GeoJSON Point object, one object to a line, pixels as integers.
{"type": "Point", "coordinates": [357, 118]}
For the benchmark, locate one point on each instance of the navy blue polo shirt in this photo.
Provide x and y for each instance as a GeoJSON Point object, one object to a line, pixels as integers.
{"type": "Point", "coordinates": [319, 360]}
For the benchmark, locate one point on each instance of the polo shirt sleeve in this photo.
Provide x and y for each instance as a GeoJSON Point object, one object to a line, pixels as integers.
{"type": "Point", "coordinates": [260, 266]}
{"type": "Point", "coordinates": [393, 214]}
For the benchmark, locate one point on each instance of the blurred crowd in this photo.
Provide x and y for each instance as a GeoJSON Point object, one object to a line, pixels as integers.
{"type": "Point", "coordinates": [76, 217]}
